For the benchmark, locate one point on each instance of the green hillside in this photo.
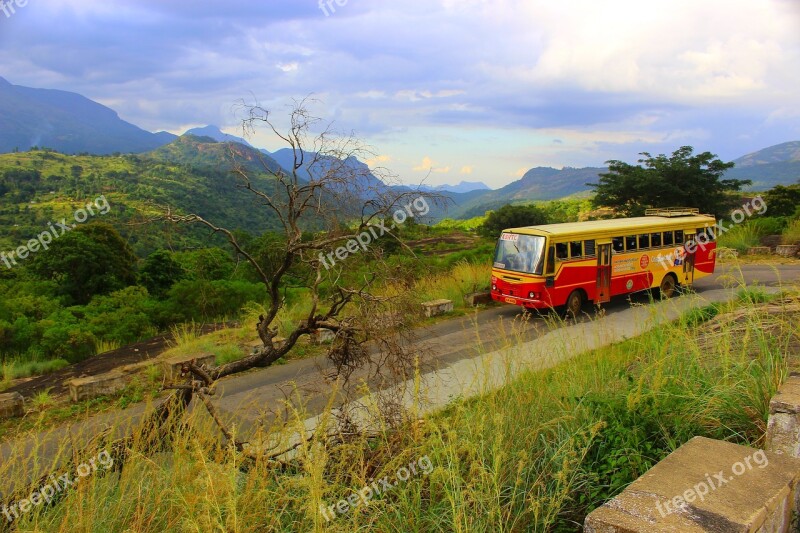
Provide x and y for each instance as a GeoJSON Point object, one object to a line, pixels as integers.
{"type": "Point", "coordinates": [39, 187]}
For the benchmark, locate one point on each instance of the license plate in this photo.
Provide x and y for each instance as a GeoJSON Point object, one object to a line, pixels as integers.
{"type": "Point", "coordinates": [510, 301]}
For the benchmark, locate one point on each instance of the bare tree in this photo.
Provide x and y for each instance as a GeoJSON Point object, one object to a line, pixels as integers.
{"type": "Point", "coordinates": [325, 203]}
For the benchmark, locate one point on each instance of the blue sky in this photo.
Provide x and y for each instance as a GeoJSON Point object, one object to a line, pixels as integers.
{"type": "Point", "coordinates": [452, 90]}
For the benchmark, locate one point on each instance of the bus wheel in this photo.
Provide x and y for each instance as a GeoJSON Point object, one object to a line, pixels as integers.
{"type": "Point", "coordinates": [574, 304]}
{"type": "Point", "coordinates": [667, 287]}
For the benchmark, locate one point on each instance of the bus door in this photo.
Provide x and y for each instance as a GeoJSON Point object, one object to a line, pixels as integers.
{"type": "Point", "coordinates": [603, 271]}
{"type": "Point", "coordinates": [689, 258]}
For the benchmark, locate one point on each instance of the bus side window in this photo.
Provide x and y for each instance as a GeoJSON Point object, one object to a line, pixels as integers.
{"type": "Point", "coordinates": [576, 249]}
{"type": "Point", "coordinates": [655, 240]}
{"type": "Point", "coordinates": [630, 242]}
{"type": "Point", "coordinates": [617, 245]}
{"type": "Point", "coordinates": [644, 241]}
{"type": "Point", "coordinates": [551, 261]}
{"type": "Point", "coordinates": [589, 249]}
{"type": "Point", "coordinates": [562, 252]}
{"type": "Point", "coordinates": [668, 238]}
{"type": "Point", "coordinates": [678, 236]}
{"type": "Point", "coordinates": [708, 232]}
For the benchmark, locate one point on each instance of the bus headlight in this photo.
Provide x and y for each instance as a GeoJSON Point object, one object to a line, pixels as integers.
{"type": "Point", "coordinates": [532, 295]}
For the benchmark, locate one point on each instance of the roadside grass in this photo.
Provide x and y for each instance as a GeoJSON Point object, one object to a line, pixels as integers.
{"type": "Point", "coordinates": [15, 369]}
{"type": "Point", "coordinates": [741, 237]}
{"type": "Point", "coordinates": [792, 233]}
{"type": "Point", "coordinates": [536, 455]}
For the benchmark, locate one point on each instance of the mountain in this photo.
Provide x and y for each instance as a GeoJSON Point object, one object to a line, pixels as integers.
{"type": "Point", "coordinates": [360, 175]}
{"type": "Point", "coordinates": [66, 122]}
{"type": "Point", "coordinates": [540, 183]}
{"type": "Point", "coordinates": [788, 152]}
{"type": "Point", "coordinates": [771, 166]}
{"type": "Point", "coordinates": [462, 187]}
{"type": "Point", "coordinates": [205, 152]}
{"type": "Point", "coordinates": [217, 134]}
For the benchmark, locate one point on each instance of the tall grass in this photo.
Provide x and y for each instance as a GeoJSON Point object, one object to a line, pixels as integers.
{"type": "Point", "coordinates": [535, 455]}
{"type": "Point", "coordinates": [17, 368]}
{"type": "Point", "coordinates": [792, 233]}
{"type": "Point", "coordinates": [741, 237]}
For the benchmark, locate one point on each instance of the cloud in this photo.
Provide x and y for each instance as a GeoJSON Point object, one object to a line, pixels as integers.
{"type": "Point", "coordinates": [501, 83]}
{"type": "Point", "coordinates": [466, 170]}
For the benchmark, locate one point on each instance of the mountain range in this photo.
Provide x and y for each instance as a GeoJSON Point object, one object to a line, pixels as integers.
{"type": "Point", "coordinates": [73, 124]}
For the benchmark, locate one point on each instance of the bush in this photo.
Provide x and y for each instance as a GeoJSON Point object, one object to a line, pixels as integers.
{"type": "Point", "coordinates": [512, 216]}
{"type": "Point", "coordinates": [792, 233]}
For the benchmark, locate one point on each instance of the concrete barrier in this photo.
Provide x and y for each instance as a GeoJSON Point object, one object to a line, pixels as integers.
{"type": "Point", "coordinates": [706, 485]}
{"type": "Point", "coordinates": [95, 386]}
{"type": "Point", "coordinates": [322, 336]}
{"type": "Point", "coordinates": [11, 405]}
{"type": "Point", "coordinates": [787, 250]}
{"type": "Point", "coordinates": [173, 365]}
{"type": "Point", "coordinates": [759, 250]}
{"type": "Point", "coordinates": [783, 426]}
{"type": "Point", "coordinates": [478, 298]}
{"type": "Point", "coordinates": [437, 307]}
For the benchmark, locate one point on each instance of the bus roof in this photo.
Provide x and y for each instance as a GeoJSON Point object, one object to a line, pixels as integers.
{"type": "Point", "coordinates": [623, 226]}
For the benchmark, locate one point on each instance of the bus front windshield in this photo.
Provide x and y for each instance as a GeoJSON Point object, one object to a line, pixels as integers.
{"type": "Point", "coordinates": [520, 253]}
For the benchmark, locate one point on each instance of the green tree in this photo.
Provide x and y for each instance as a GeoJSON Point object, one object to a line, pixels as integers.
{"type": "Point", "coordinates": [159, 272]}
{"type": "Point", "coordinates": [89, 260]}
{"type": "Point", "coordinates": [512, 216]}
{"type": "Point", "coordinates": [783, 201]}
{"type": "Point", "coordinates": [680, 180]}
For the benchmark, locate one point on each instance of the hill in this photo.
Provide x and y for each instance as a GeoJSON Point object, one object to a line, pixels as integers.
{"type": "Point", "coordinates": [217, 134]}
{"type": "Point", "coordinates": [774, 165]}
{"type": "Point", "coordinates": [67, 122]}
{"type": "Point", "coordinates": [540, 183]}
{"type": "Point", "coordinates": [206, 152]}
{"type": "Point", "coordinates": [39, 187]}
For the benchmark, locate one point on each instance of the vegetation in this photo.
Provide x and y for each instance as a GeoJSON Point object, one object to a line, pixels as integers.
{"type": "Point", "coordinates": [783, 201]}
{"type": "Point", "coordinates": [512, 216]}
{"type": "Point", "coordinates": [682, 179]}
{"type": "Point", "coordinates": [579, 432]}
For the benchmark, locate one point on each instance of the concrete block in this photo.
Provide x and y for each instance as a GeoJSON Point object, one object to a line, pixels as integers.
{"type": "Point", "coordinates": [706, 485]}
{"type": "Point", "coordinates": [95, 386]}
{"type": "Point", "coordinates": [787, 250]}
{"type": "Point", "coordinates": [173, 365]}
{"type": "Point", "coordinates": [11, 405]}
{"type": "Point", "coordinates": [783, 426]}
{"type": "Point", "coordinates": [759, 250]}
{"type": "Point", "coordinates": [437, 307]}
{"type": "Point", "coordinates": [478, 298]}
{"type": "Point", "coordinates": [322, 336]}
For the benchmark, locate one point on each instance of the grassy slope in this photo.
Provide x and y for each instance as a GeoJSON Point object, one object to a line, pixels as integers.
{"type": "Point", "coordinates": [135, 186]}
{"type": "Point", "coordinates": [535, 455]}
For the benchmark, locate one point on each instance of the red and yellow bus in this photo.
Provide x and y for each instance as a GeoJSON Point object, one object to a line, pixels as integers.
{"type": "Point", "coordinates": [570, 264]}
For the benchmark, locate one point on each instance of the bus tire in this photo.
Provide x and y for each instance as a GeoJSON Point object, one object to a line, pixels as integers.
{"type": "Point", "coordinates": [668, 286]}
{"type": "Point", "coordinates": [574, 304]}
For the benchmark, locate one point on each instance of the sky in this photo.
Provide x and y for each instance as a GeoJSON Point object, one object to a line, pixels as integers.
{"type": "Point", "coordinates": [441, 90]}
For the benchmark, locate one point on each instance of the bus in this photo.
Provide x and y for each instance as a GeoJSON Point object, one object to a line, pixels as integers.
{"type": "Point", "coordinates": [567, 265]}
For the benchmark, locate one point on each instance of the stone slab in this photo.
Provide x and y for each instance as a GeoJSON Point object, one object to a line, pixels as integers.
{"type": "Point", "coordinates": [787, 250]}
{"type": "Point", "coordinates": [11, 405]}
{"type": "Point", "coordinates": [783, 426]}
{"type": "Point", "coordinates": [95, 386]}
{"type": "Point", "coordinates": [478, 298]}
{"type": "Point", "coordinates": [437, 307]}
{"type": "Point", "coordinates": [173, 365]}
{"type": "Point", "coordinates": [706, 485]}
{"type": "Point", "coordinates": [759, 250]}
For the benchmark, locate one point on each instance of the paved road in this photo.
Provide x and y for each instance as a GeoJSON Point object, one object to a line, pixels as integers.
{"type": "Point", "coordinates": [253, 400]}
